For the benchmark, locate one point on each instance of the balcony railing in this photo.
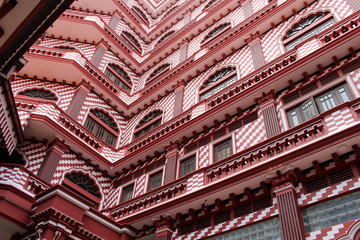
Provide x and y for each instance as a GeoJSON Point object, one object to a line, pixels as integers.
{"type": "Point", "coordinates": [79, 131]}
{"type": "Point", "coordinates": [160, 131]}
{"type": "Point", "coordinates": [149, 199]}
{"type": "Point", "coordinates": [21, 178]}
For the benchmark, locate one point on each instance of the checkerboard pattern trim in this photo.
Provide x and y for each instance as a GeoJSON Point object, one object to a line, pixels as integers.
{"type": "Point", "coordinates": [230, 225]}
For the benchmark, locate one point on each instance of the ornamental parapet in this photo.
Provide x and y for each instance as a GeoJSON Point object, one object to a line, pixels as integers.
{"type": "Point", "coordinates": [253, 156]}
{"type": "Point", "coordinates": [79, 131]}
{"type": "Point", "coordinates": [245, 25]}
{"type": "Point", "coordinates": [102, 78]}
{"type": "Point", "coordinates": [79, 58]}
{"type": "Point", "coordinates": [347, 26]}
{"type": "Point", "coordinates": [148, 200]}
{"type": "Point", "coordinates": [161, 131]}
{"type": "Point", "coordinates": [22, 179]}
{"type": "Point", "coordinates": [281, 63]}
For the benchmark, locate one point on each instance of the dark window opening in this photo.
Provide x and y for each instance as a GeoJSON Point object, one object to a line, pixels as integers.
{"type": "Point", "coordinates": [321, 103]}
{"type": "Point", "coordinates": [39, 93]}
{"type": "Point", "coordinates": [119, 76]}
{"type": "Point", "coordinates": [155, 181]}
{"type": "Point", "coordinates": [127, 193]}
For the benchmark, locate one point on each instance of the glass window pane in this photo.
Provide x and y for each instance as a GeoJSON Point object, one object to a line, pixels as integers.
{"type": "Point", "coordinates": [327, 101]}
{"type": "Point", "coordinates": [343, 94]}
{"type": "Point", "coordinates": [308, 110]}
{"type": "Point", "coordinates": [127, 193]}
{"type": "Point", "coordinates": [223, 150]}
{"type": "Point", "coordinates": [155, 180]}
{"type": "Point", "coordinates": [294, 117]}
{"type": "Point", "coordinates": [187, 166]}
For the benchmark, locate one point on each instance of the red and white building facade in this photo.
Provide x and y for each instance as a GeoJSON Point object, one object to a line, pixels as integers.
{"type": "Point", "coordinates": [203, 119]}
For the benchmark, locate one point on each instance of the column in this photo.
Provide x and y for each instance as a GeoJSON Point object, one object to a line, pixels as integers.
{"type": "Point", "coordinates": [83, 89]}
{"type": "Point", "coordinates": [171, 161]}
{"type": "Point", "coordinates": [268, 109]}
{"type": "Point", "coordinates": [99, 53]}
{"type": "Point", "coordinates": [55, 150]}
{"type": "Point", "coordinates": [254, 42]}
{"type": "Point", "coordinates": [179, 94]}
{"type": "Point", "coordinates": [292, 225]}
{"type": "Point", "coordinates": [164, 228]}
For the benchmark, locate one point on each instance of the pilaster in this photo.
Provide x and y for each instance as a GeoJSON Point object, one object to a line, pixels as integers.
{"type": "Point", "coordinates": [254, 42]}
{"type": "Point", "coordinates": [172, 156]}
{"type": "Point", "coordinates": [164, 228]}
{"type": "Point", "coordinates": [179, 97]}
{"type": "Point", "coordinates": [55, 150]}
{"type": "Point", "coordinates": [77, 101]}
{"type": "Point", "coordinates": [268, 110]}
{"type": "Point", "coordinates": [292, 226]}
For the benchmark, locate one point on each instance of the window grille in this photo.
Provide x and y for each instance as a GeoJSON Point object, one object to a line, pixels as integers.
{"type": "Point", "coordinates": [127, 193]}
{"type": "Point", "coordinates": [119, 77]}
{"type": "Point", "coordinates": [187, 166]}
{"type": "Point", "coordinates": [84, 182]}
{"type": "Point", "coordinates": [155, 180]}
{"type": "Point", "coordinates": [39, 93]}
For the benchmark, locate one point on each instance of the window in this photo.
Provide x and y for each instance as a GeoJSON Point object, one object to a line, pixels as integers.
{"type": "Point", "coordinates": [107, 131]}
{"type": "Point", "coordinates": [39, 93]}
{"type": "Point", "coordinates": [294, 37]}
{"type": "Point", "coordinates": [210, 3]}
{"type": "Point", "coordinates": [148, 123]}
{"type": "Point", "coordinates": [131, 41]}
{"type": "Point", "coordinates": [169, 11]}
{"type": "Point", "coordinates": [225, 77]}
{"type": "Point", "coordinates": [315, 105]}
{"type": "Point", "coordinates": [155, 181]}
{"type": "Point", "coordinates": [215, 33]}
{"type": "Point", "coordinates": [158, 72]}
{"type": "Point", "coordinates": [141, 15]}
{"type": "Point", "coordinates": [165, 37]}
{"type": "Point", "coordinates": [127, 193]}
{"type": "Point", "coordinates": [84, 182]}
{"type": "Point", "coordinates": [187, 166]}
{"type": "Point", "coordinates": [119, 77]}
{"type": "Point", "coordinates": [65, 47]}
{"type": "Point", "coordinates": [223, 150]}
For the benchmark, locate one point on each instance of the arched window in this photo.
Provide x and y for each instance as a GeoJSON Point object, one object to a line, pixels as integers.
{"type": "Point", "coordinates": [84, 182]}
{"type": "Point", "coordinates": [165, 37]}
{"type": "Point", "coordinates": [148, 123]}
{"type": "Point", "coordinates": [131, 41]}
{"type": "Point", "coordinates": [102, 125]}
{"type": "Point", "coordinates": [39, 93]}
{"type": "Point", "coordinates": [141, 15]}
{"type": "Point", "coordinates": [84, 186]}
{"type": "Point", "coordinates": [307, 27]}
{"type": "Point", "coordinates": [223, 78]}
{"type": "Point", "coordinates": [158, 72]}
{"type": "Point", "coordinates": [119, 77]}
{"type": "Point", "coordinates": [215, 33]}
{"type": "Point", "coordinates": [169, 11]}
{"type": "Point", "coordinates": [65, 47]}
{"type": "Point", "coordinates": [209, 4]}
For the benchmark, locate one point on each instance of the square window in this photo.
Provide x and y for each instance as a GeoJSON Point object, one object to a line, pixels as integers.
{"type": "Point", "coordinates": [155, 181]}
{"type": "Point", "coordinates": [223, 150]}
{"type": "Point", "coordinates": [127, 193]}
{"type": "Point", "coordinates": [187, 166]}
